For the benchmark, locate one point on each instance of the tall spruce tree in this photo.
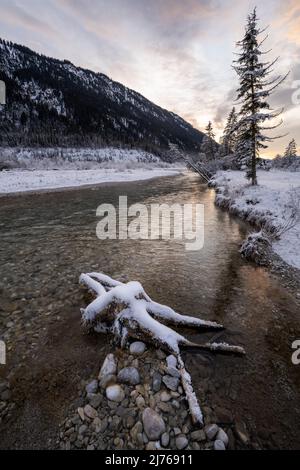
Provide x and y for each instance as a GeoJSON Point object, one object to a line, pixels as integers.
{"type": "Point", "coordinates": [291, 150]}
{"type": "Point", "coordinates": [255, 87]}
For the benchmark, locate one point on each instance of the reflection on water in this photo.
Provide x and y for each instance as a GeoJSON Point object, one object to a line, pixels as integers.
{"type": "Point", "coordinates": [49, 239]}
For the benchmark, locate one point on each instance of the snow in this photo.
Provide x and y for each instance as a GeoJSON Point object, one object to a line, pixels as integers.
{"type": "Point", "coordinates": [271, 203]}
{"type": "Point", "coordinates": [15, 181]}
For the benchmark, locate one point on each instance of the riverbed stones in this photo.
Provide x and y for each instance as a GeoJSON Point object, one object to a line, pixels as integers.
{"type": "Point", "coordinates": [154, 425]}
{"type": "Point", "coordinates": [107, 381]}
{"type": "Point", "coordinates": [181, 442]}
{"type": "Point", "coordinates": [198, 436]}
{"type": "Point", "coordinates": [95, 400]}
{"type": "Point", "coordinates": [176, 404]}
{"type": "Point", "coordinates": [211, 431]}
{"type": "Point", "coordinates": [81, 413]}
{"type": "Point", "coordinates": [140, 402]}
{"type": "Point", "coordinates": [219, 445]}
{"type": "Point", "coordinates": [138, 348]}
{"type": "Point", "coordinates": [97, 424]}
{"type": "Point", "coordinates": [143, 417]}
{"type": "Point", "coordinates": [152, 446]}
{"type": "Point", "coordinates": [115, 393]}
{"type": "Point", "coordinates": [136, 431]}
{"type": "Point", "coordinates": [171, 361]}
{"type": "Point", "coordinates": [109, 367]}
{"type": "Point", "coordinates": [92, 387]}
{"type": "Point", "coordinates": [171, 382]}
{"type": "Point", "coordinates": [165, 407]}
{"type": "Point", "coordinates": [165, 397]}
{"type": "Point", "coordinates": [90, 412]}
{"type": "Point", "coordinates": [222, 436]}
{"type": "Point", "coordinates": [165, 439]}
{"type": "Point", "coordinates": [129, 375]}
{"type": "Point", "coordinates": [156, 382]}
{"type": "Point", "coordinates": [173, 372]}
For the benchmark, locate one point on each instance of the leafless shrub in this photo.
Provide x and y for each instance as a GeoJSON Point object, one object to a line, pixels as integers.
{"type": "Point", "coordinates": [291, 217]}
{"type": "Point", "coordinates": [255, 247]}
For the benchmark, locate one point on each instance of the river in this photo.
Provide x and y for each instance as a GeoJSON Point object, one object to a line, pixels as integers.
{"type": "Point", "coordinates": [48, 239]}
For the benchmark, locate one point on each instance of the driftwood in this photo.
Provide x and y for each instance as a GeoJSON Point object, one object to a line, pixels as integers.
{"type": "Point", "coordinates": [126, 311]}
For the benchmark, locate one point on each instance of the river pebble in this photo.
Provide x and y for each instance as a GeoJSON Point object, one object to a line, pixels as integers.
{"type": "Point", "coordinates": [138, 348]}
{"type": "Point", "coordinates": [115, 393]}
{"type": "Point", "coordinates": [129, 375]}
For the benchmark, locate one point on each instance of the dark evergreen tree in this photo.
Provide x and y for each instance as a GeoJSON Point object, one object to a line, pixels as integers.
{"type": "Point", "coordinates": [209, 146]}
{"type": "Point", "coordinates": [230, 133]}
{"type": "Point", "coordinates": [255, 87]}
{"type": "Point", "coordinates": [291, 150]}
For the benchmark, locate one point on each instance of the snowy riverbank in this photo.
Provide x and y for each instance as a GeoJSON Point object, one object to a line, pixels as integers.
{"type": "Point", "coordinates": [274, 203]}
{"type": "Point", "coordinates": [15, 181]}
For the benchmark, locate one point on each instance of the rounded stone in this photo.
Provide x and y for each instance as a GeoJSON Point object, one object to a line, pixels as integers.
{"type": "Point", "coordinates": [165, 397]}
{"type": "Point", "coordinates": [156, 382]}
{"type": "Point", "coordinates": [90, 412]}
{"type": "Point", "coordinates": [171, 361]}
{"type": "Point", "coordinates": [92, 387]}
{"type": "Point", "coordinates": [115, 393]}
{"type": "Point", "coordinates": [211, 431]}
{"type": "Point", "coordinates": [219, 445]}
{"type": "Point", "coordinates": [138, 348]}
{"type": "Point", "coordinates": [171, 382]}
{"type": "Point", "coordinates": [165, 439]}
{"type": "Point", "coordinates": [140, 402]}
{"type": "Point", "coordinates": [181, 442]}
{"type": "Point", "coordinates": [222, 436]}
{"type": "Point", "coordinates": [173, 372]}
{"type": "Point", "coordinates": [154, 425]}
{"type": "Point", "coordinates": [129, 375]}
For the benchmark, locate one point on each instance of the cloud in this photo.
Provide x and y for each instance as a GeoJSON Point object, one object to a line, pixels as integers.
{"type": "Point", "coordinates": [14, 15]}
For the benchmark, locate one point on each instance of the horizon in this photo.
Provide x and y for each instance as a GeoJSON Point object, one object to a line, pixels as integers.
{"type": "Point", "coordinates": [190, 73]}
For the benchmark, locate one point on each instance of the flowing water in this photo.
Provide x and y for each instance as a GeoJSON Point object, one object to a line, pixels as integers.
{"type": "Point", "coordinates": [48, 239]}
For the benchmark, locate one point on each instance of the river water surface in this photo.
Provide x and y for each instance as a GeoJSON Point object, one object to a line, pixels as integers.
{"type": "Point", "coordinates": [48, 239]}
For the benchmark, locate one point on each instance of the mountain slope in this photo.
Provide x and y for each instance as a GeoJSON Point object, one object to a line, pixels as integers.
{"type": "Point", "coordinates": [52, 102]}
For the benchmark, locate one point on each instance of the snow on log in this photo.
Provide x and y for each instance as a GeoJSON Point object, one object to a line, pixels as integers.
{"type": "Point", "coordinates": [126, 311]}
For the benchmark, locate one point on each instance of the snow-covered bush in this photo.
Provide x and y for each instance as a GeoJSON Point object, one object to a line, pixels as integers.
{"type": "Point", "coordinates": [255, 247]}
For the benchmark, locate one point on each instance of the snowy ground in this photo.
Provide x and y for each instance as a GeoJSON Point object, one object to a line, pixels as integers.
{"type": "Point", "coordinates": [15, 181]}
{"type": "Point", "coordinates": [273, 201]}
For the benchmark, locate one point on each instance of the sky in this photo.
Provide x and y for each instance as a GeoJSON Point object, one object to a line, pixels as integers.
{"type": "Point", "coordinates": [177, 53]}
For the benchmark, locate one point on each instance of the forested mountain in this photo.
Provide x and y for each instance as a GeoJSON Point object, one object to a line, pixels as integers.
{"type": "Point", "coordinates": [52, 102]}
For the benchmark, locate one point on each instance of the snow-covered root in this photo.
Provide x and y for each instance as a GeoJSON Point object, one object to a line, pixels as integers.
{"type": "Point", "coordinates": [194, 407]}
{"type": "Point", "coordinates": [99, 284]}
{"type": "Point", "coordinates": [220, 348]}
{"type": "Point", "coordinates": [127, 312]}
